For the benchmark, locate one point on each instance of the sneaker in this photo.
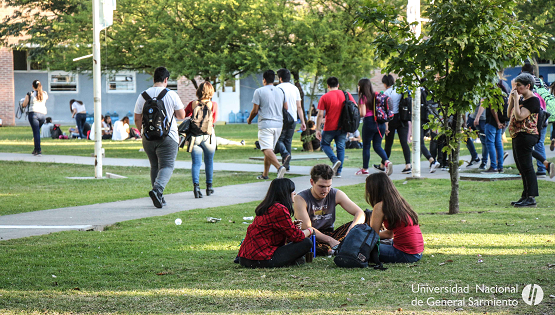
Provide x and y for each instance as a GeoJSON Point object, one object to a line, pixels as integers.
{"type": "Point", "coordinates": [164, 202]}
{"type": "Point", "coordinates": [336, 166]}
{"type": "Point", "coordinates": [433, 166]}
{"type": "Point", "coordinates": [407, 170]}
{"type": "Point", "coordinates": [156, 198]}
{"type": "Point", "coordinates": [472, 162]}
{"type": "Point", "coordinates": [242, 142]}
{"type": "Point", "coordinates": [338, 175]}
{"type": "Point", "coordinates": [541, 175]}
{"type": "Point", "coordinates": [379, 168]}
{"type": "Point", "coordinates": [528, 202]}
{"type": "Point", "coordinates": [389, 168]}
{"type": "Point", "coordinates": [281, 172]}
{"type": "Point", "coordinates": [37, 153]}
{"type": "Point", "coordinates": [262, 177]}
{"type": "Point", "coordinates": [491, 170]}
{"type": "Point", "coordinates": [500, 170]}
{"type": "Point", "coordinates": [551, 170]}
{"type": "Point", "coordinates": [505, 156]}
{"type": "Point", "coordinates": [362, 172]}
{"type": "Point", "coordinates": [552, 146]}
{"type": "Point", "coordinates": [483, 165]}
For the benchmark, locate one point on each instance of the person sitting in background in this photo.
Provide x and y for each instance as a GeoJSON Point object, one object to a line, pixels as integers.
{"type": "Point", "coordinates": [310, 143]}
{"type": "Point", "coordinates": [265, 243]}
{"type": "Point", "coordinates": [223, 141]}
{"type": "Point", "coordinates": [107, 128]}
{"type": "Point", "coordinates": [46, 129]}
{"type": "Point", "coordinates": [121, 129]}
{"type": "Point", "coordinates": [353, 140]}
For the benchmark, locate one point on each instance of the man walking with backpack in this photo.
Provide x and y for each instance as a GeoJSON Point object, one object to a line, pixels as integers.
{"type": "Point", "coordinates": [155, 113]}
{"type": "Point", "coordinates": [332, 102]}
{"type": "Point", "coordinates": [293, 99]}
{"type": "Point", "coordinates": [268, 103]}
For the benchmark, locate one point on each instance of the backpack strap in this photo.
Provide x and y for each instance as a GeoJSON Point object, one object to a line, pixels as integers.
{"type": "Point", "coordinates": [162, 94]}
{"type": "Point", "coordinates": [146, 96]}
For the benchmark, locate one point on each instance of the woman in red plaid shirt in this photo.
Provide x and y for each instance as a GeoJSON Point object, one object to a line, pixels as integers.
{"type": "Point", "coordinates": [265, 244]}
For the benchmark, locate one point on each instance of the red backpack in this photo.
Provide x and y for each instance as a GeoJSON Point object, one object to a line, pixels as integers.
{"type": "Point", "coordinates": [382, 112]}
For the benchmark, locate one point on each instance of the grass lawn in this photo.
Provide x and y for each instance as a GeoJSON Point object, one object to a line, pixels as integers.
{"type": "Point", "coordinates": [20, 140]}
{"type": "Point", "coordinates": [152, 266]}
{"type": "Point", "coordinates": [38, 186]}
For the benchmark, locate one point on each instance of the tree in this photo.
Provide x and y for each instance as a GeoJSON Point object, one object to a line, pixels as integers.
{"type": "Point", "coordinates": [541, 16]}
{"type": "Point", "coordinates": [464, 44]}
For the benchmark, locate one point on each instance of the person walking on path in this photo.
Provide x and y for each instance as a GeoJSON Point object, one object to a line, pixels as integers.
{"type": "Point", "coordinates": [161, 152]}
{"type": "Point", "coordinates": [204, 143]}
{"type": "Point", "coordinates": [36, 101]}
{"type": "Point", "coordinates": [332, 103]}
{"type": "Point", "coordinates": [265, 245]}
{"type": "Point", "coordinates": [293, 100]}
{"type": "Point", "coordinates": [396, 124]}
{"type": "Point", "coordinates": [268, 103]}
{"type": "Point", "coordinates": [372, 131]}
{"type": "Point", "coordinates": [79, 112]}
{"type": "Point", "coordinates": [524, 132]}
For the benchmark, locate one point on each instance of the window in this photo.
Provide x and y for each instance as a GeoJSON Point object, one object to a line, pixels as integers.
{"type": "Point", "coordinates": [229, 85]}
{"type": "Point", "coordinates": [20, 60]}
{"type": "Point", "coordinates": [172, 85]}
{"type": "Point", "coordinates": [121, 82]}
{"type": "Point", "coordinates": [63, 82]}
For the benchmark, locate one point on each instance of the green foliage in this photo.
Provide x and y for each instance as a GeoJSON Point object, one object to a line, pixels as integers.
{"type": "Point", "coordinates": [540, 14]}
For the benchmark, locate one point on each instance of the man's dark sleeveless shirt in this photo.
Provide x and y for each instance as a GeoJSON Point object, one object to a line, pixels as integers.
{"type": "Point", "coordinates": [321, 212]}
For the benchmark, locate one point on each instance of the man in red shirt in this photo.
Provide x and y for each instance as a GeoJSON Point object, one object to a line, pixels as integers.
{"type": "Point", "coordinates": [332, 103]}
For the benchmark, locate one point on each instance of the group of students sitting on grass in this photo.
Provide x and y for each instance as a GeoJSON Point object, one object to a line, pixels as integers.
{"type": "Point", "coordinates": [274, 240]}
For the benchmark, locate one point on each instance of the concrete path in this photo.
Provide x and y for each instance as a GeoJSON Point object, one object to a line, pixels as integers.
{"type": "Point", "coordinates": [99, 215]}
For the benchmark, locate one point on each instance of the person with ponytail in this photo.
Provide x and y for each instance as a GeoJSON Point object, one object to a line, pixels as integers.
{"type": "Point", "coordinates": [79, 112]}
{"type": "Point", "coordinates": [265, 243]}
{"type": "Point", "coordinates": [36, 101]}
{"type": "Point", "coordinates": [399, 219]}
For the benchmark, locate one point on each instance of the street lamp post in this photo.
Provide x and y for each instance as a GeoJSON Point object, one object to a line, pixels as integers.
{"type": "Point", "coordinates": [413, 15]}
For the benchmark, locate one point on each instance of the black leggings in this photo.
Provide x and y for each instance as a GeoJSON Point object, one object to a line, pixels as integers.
{"type": "Point", "coordinates": [523, 144]}
{"type": "Point", "coordinates": [283, 256]}
{"type": "Point", "coordinates": [403, 131]}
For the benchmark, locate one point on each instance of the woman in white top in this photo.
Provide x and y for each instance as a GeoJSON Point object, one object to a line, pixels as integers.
{"type": "Point", "coordinates": [37, 112]}
{"type": "Point", "coordinates": [79, 112]}
{"type": "Point", "coordinates": [121, 129]}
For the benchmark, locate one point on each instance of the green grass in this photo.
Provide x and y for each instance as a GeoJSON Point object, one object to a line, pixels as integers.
{"type": "Point", "coordinates": [20, 140]}
{"type": "Point", "coordinates": [37, 186]}
{"type": "Point", "coordinates": [152, 266]}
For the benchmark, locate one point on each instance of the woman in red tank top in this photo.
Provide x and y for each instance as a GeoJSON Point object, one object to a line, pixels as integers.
{"type": "Point", "coordinates": [399, 219]}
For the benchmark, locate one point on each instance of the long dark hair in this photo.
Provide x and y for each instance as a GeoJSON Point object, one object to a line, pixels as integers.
{"type": "Point", "coordinates": [379, 188]}
{"type": "Point", "coordinates": [366, 93]}
{"type": "Point", "coordinates": [280, 191]}
{"type": "Point", "coordinates": [71, 103]}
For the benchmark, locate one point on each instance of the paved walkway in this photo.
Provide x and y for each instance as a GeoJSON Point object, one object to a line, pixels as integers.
{"type": "Point", "coordinates": [99, 215]}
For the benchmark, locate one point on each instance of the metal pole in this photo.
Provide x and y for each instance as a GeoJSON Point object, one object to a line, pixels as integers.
{"type": "Point", "coordinates": [413, 14]}
{"type": "Point", "coordinates": [97, 75]}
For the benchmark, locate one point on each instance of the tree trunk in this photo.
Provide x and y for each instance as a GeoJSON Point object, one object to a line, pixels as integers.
{"type": "Point", "coordinates": [195, 84]}
{"type": "Point", "coordinates": [454, 166]}
{"type": "Point", "coordinates": [297, 78]}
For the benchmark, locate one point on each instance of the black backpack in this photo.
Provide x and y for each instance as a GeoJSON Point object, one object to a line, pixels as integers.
{"type": "Point", "coordinates": [543, 118]}
{"type": "Point", "coordinates": [503, 114]}
{"type": "Point", "coordinates": [359, 247]}
{"type": "Point", "coordinates": [405, 107]}
{"type": "Point", "coordinates": [156, 123]}
{"type": "Point", "coordinates": [56, 132]}
{"type": "Point", "coordinates": [350, 116]}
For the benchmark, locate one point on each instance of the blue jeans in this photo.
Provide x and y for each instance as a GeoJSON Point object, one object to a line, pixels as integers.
{"type": "Point", "coordinates": [36, 120]}
{"type": "Point", "coordinates": [495, 146]}
{"type": "Point", "coordinates": [482, 137]}
{"type": "Point", "coordinates": [540, 148]}
{"type": "Point", "coordinates": [390, 254]}
{"type": "Point", "coordinates": [206, 145]}
{"type": "Point", "coordinates": [339, 136]}
{"type": "Point", "coordinates": [372, 133]}
{"type": "Point", "coordinates": [283, 145]}
{"type": "Point", "coordinates": [80, 120]}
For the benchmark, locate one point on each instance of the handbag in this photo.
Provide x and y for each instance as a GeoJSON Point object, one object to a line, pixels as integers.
{"type": "Point", "coordinates": [288, 120]}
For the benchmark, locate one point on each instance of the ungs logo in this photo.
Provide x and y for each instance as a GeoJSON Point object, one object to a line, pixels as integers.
{"type": "Point", "coordinates": [532, 294]}
{"type": "Point", "coordinates": [150, 111]}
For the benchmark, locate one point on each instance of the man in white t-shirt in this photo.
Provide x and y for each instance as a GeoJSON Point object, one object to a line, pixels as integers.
{"type": "Point", "coordinates": [268, 103]}
{"type": "Point", "coordinates": [293, 99]}
{"type": "Point", "coordinates": [161, 153]}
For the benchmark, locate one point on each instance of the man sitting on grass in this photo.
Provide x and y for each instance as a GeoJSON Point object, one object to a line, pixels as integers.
{"type": "Point", "coordinates": [315, 207]}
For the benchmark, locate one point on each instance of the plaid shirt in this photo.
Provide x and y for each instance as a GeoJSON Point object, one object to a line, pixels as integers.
{"type": "Point", "coordinates": [268, 232]}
